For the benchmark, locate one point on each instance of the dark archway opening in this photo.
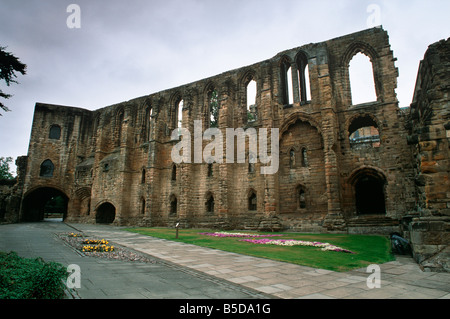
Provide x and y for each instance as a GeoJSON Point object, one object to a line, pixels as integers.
{"type": "Point", "coordinates": [173, 206]}
{"type": "Point", "coordinates": [369, 196]}
{"type": "Point", "coordinates": [364, 133]}
{"type": "Point", "coordinates": [106, 213]}
{"type": "Point", "coordinates": [42, 203]}
{"type": "Point", "coordinates": [210, 204]}
{"type": "Point", "coordinates": [252, 204]}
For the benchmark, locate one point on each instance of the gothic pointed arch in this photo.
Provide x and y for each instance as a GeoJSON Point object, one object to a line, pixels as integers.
{"type": "Point", "coordinates": [359, 47]}
{"type": "Point", "coordinates": [304, 88]}
{"type": "Point", "coordinates": [369, 191]}
{"type": "Point", "coordinates": [209, 202]}
{"type": "Point", "coordinates": [173, 205]}
{"type": "Point", "coordinates": [301, 194]}
{"type": "Point", "coordinates": [252, 200]}
{"type": "Point", "coordinates": [363, 131]}
{"type": "Point", "coordinates": [248, 89]}
{"type": "Point", "coordinates": [35, 204]}
{"type": "Point", "coordinates": [367, 50]}
{"type": "Point", "coordinates": [54, 132]}
{"type": "Point", "coordinates": [299, 116]}
{"type": "Point", "coordinates": [105, 213]}
{"type": "Point", "coordinates": [176, 106]}
{"type": "Point", "coordinates": [120, 117]}
{"type": "Point", "coordinates": [286, 84]}
{"type": "Point", "coordinates": [211, 105]}
{"type": "Point", "coordinates": [47, 168]}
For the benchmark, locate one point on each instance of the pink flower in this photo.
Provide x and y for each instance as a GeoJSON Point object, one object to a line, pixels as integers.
{"type": "Point", "coordinates": [226, 234]}
{"type": "Point", "coordinates": [293, 242]}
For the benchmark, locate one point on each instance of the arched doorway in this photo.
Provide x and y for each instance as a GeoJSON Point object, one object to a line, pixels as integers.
{"type": "Point", "coordinates": [44, 202]}
{"type": "Point", "coordinates": [369, 194]}
{"type": "Point", "coordinates": [105, 213]}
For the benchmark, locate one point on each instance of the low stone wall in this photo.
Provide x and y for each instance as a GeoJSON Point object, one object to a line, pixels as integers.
{"type": "Point", "coordinates": [429, 237]}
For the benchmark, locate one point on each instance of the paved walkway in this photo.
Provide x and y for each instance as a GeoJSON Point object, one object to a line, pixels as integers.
{"type": "Point", "coordinates": [399, 279]}
{"type": "Point", "coordinates": [117, 279]}
{"type": "Point", "coordinates": [185, 271]}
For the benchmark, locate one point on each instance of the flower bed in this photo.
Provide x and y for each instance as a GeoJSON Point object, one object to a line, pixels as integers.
{"type": "Point", "coordinates": [99, 248]}
{"type": "Point", "coordinates": [293, 242]}
{"type": "Point", "coordinates": [226, 234]}
{"type": "Point", "coordinates": [74, 235]}
{"type": "Point", "coordinates": [95, 242]}
{"type": "Point", "coordinates": [100, 245]}
{"type": "Point", "coordinates": [89, 247]}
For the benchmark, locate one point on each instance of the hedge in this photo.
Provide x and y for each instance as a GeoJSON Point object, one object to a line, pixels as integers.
{"type": "Point", "coordinates": [23, 278]}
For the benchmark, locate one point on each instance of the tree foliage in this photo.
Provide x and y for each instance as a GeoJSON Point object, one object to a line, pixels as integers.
{"type": "Point", "coordinates": [4, 168]}
{"type": "Point", "coordinates": [9, 65]}
{"type": "Point", "coordinates": [214, 109]}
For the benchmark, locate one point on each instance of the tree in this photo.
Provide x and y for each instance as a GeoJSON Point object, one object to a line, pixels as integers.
{"type": "Point", "coordinates": [56, 205]}
{"type": "Point", "coordinates": [9, 65]}
{"type": "Point", "coordinates": [4, 168]}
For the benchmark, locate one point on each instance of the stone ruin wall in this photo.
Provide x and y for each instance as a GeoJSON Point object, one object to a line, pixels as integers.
{"type": "Point", "coordinates": [428, 226]}
{"type": "Point", "coordinates": [118, 158]}
{"type": "Point", "coordinates": [120, 154]}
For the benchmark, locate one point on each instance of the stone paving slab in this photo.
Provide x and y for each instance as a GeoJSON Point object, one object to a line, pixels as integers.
{"type": "Point", "coordinates": [401, 278]}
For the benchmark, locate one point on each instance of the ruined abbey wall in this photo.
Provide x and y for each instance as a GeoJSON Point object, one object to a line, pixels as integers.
{"type": "Point", "coordinates": [114, 164]}
{"type": "Point", "coordinates": [429, 136]}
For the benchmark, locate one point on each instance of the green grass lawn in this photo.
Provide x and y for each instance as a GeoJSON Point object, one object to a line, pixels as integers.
{"type": "Point", "coordinates": [367, 249]}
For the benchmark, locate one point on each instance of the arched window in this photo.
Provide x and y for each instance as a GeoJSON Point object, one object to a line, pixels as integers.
{"type": "Point", "coordinates": [209, 203]}
{"type": "Point", "coordinates": [179, 114]}
{"type": "Point", "coordinates": [55, 132]}
{"type": "Point", "coordinates": [210, 170]}
{"type": "Point", "coordinates": [252, 204]}
{"type": "Point", "coordinates": [173, 205]}
{"type": "Point", "coordinates": [287, 93]}
{"type": "Point", "coordinates": [304, 157]}
{"type": "Point", "coordinates": [363, 133]}
{"type": "Point", "coordinates": [142, 206]}
{"type": "Point", "coordinates": [143, 176]}
{"type": "Point", "coordinates": [147, 123]}
{"type": "Point", "coordinates": [362, 79]}
{"type": "Point", "coordinates": [301, 197]}
{"type": "Point", "coordinates": [291, 158]}
{"type": "Point", "coordinates": [47, 168]}
{"type": "Point", "coordinates": [96, 126]}
{"type": "Point", "coordinates": [251, 101]}
{"type": "Point", "coordinates": [303, 78]}
{"type": "Point", "coordinates": [213, 107]}
{"type": "Point", "coordinates": [251, 163]}
{"type": "Point", "coordinates": [120, 119]}
{"type": "Point", "coordinates": [174, 172]}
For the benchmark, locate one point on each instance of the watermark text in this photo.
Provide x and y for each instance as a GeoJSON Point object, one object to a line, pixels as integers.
{"type": "Point", "coordinates": [74, 278]}
{"type": "Point", "coordinates": [258, 143]}
{"type": "Point", "coordinates": [74, 19]}
{"type": "Point", "coordinates": [374, 19]}
{"type": "Point", "coordinates": [374, 279]}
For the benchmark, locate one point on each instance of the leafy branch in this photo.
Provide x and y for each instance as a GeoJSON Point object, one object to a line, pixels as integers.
{"type": "Point", "coordinates": [9, 65]}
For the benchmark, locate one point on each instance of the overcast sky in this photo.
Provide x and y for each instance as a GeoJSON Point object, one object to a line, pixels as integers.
{"type": "Point", "coordinates": [127, 49]}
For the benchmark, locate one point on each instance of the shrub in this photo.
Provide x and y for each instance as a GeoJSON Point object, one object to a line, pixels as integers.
{"type": "Point", "coordinates": [23, 278]}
